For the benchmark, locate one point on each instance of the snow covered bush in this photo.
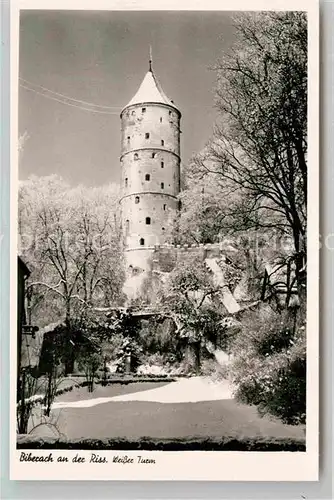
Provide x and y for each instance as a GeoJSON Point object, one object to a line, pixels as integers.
{"type": "Point", "coordinates": [269, 365]}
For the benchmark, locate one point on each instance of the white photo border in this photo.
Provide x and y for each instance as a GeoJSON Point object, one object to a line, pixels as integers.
{"type": "Point", "coordinates": [212, 466]}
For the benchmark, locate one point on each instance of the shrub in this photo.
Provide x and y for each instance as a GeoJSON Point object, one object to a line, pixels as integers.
{"type": "Point", "coordinates": [269, 367]}
{"type": "Point", "coordinates": [112, 346]}
{"type": "Point", "coordinates": [158, 336]}
{"type": "Point", "coordinates": [130, 351]}
{"type": "Point", "coordinates": [209, 367]}
{"type": "Point", "coordinates": [90, 362]}
{"type": "Point", "coordinates": [226, 443]}
{"type": "Point", "coordinates": [287, 400]}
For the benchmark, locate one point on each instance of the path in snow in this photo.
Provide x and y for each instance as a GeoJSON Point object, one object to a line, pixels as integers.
{"type": "Point", "coordinates": [190, 390]}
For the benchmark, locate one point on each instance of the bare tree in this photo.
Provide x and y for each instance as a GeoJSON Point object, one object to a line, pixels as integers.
{"type": "Point", "coordinates": [72, 245]}
{"type": "Point", "coordinates": [260, 144]}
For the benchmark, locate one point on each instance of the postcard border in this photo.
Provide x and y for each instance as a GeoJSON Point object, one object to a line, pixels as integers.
{"type": "Point", "coordinates": [223, 465]}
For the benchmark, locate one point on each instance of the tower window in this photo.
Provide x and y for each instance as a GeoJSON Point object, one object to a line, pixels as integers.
{"type": "Point", "coordinates": [126, 182]}
{"type": "Point", "coordinates": [160, 119]}
{"type": "Point", "coordinates": [127, 226]}
{"type": "Point", "coordinates": [141, 242]}
{"type": "Point", "coordinates": [147, 177]}
{"type": "Point", "coordinates": [148, 220]}
{"type": "Point", "coordinates": [162, 142]}
{"type": "Point", "coordinates": [135, 156]}
{"type": "Point", "coordinates": [163, 228]}
{"type": "Point", "coordinates": [154, 155]}
{"type": "Point", "coordinates": [164, 206]}
{"type": "Point", "coordinates": [162, 185]}
{"type": "Point", "coordinates": [143, 110]}
{"type": "Point", "coordinates": [128, 139]}
{"type": "Point", "coordinates": [162, 164]}
{"type": "Point", "coordinates": [147, 135]}
{"type": "Point", "coordinates": [137, 200]}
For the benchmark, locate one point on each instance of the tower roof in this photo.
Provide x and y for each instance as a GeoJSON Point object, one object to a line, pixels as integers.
{"type": "Point", "coordinates": [150, 91]}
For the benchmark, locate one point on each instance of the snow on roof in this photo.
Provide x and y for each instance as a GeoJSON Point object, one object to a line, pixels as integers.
{"type": "Point", "coordinates": [150, 91]}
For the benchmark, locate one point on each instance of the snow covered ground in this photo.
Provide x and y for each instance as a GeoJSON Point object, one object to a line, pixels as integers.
{"type": "Point", "coordinates": [188, 390]}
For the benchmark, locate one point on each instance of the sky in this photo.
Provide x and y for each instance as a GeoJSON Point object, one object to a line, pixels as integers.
{"type": "Point", "coordinates": [101, 58]}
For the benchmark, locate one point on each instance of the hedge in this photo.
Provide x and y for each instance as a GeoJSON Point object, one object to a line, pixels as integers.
{"type": "Point", "coordinates": [134, 380]}
{"type": "Point", "coordinates": [58, 392]}
{"type": "Point", "coordinates": [109, 381]}
{"type": "Point", "coordinates": [226, 443]}
{"type": "Point", "coordinates": [136, 376]}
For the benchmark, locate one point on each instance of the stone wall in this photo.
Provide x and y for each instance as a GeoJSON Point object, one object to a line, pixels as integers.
{"type": "Point", "coordinates": [148, 268]}
{"type": "Point", "coordinates": [144, 279]}
{"type": "Point", "coordinates": [165, 257]}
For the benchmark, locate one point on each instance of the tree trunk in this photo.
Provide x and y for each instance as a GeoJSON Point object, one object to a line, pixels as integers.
{"type": "Point", "coordinates": [49, 393]}
{"type": "Point", "coordinates": [197, 350]}
{"type": "Point", "coordinates": [22, 410]}
{"type": "Point", "coordinates": [68, 314]}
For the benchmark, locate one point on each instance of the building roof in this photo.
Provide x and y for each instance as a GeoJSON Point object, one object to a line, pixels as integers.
{"type": "Point", "coordinates": [150, 91]}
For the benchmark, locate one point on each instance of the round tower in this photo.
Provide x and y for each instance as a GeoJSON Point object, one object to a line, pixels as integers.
{"type": "Point", "coordinates": [150, 166]}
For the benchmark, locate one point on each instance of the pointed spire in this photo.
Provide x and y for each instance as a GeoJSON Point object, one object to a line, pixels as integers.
{"type": "Point", "coordinates": [150, 60]}
{"type": "Point", "coordinates": [150, 90]}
